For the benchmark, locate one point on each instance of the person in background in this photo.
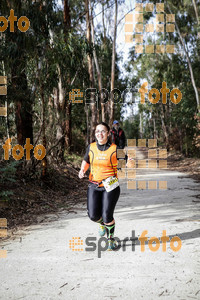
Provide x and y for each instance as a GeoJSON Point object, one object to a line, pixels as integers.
{"type": "Point", "coordinates": [118, 136]}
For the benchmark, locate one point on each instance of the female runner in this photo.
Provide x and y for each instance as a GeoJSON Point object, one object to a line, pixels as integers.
{"type": "Point", "coordinates": [101, 156]}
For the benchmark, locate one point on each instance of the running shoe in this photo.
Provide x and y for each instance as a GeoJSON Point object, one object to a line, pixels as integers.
{"type": "Point", "coordinates": [102, 230]}
{"type": "Point", "coordinates": [111, 244]}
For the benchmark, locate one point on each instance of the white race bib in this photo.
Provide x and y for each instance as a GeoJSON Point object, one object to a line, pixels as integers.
{"type": "Point", "coordinates": [110, 183]}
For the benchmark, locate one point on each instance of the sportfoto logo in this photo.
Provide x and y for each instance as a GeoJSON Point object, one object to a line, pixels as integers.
{"type": "Point", "coordinates": [162, 21]}
{"type": "Point", "coordinates": [92, 96]}
{"type": "Point", "coordinates": [23, 23]}
{"type": "Point", "coordinates": [3, 234]}
{"type": "Point", "coordinates": [3, 92]}
{"type": "Point", "coordinates": [76, 244]}
{"type": "Point", "coordinates": [18, 150]}
{"type": "Point", "coordinates": [156, 158]}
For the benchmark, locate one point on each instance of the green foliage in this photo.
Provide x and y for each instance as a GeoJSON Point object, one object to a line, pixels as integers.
{"type": "Point", "coordinates": [7, 174]}
{"type": "Point", "coordinates": [5, 195]}
{"type": "Point", "coordinates": [74, 159]}
{"type": "Point", "coordinates": [131, 127]}
{"type": "Point", "coordinates": [175, 120]}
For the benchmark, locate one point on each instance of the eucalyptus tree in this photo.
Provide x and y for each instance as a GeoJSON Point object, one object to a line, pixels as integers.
{"type": "Point", "coordinates": [180, 70]}
{"type": "Point", "coordinates": [15, 49]}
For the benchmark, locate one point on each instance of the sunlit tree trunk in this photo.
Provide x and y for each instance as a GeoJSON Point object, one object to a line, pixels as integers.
{"type": "Point", "coordinates": [59, 98]}
{"type": "Point", "coordinates": [113, 67]}
{"type": "Point", "coordinates": [189, 63]}
{"type": "Point", "coordinates": [91, 74]}
{"type": "Point", "coordinates": [99, 77]}
{"type": "Point", "coordinates": [6, 105]}
{"type": "Point", "coordinates": [164, 127]}
{"type": "Point", "coordinates": [67, 103]}
{"type": "Point", "coordinates": [44, 161]}
{"type": "Point", "coordinates": [141, 125]}
{"type": "Point", "coordinates": [196, 11]}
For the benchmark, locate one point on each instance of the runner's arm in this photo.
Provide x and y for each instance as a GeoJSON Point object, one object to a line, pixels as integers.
{"type": "Point", "coordinates": [84, 168]}
{"type": "Point", "coordinates": [85, 163]}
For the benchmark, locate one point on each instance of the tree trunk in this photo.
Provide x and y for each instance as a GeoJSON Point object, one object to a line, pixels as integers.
{"type": "Point", "coordinates": [67, 103]}
{"type": "Point", "coordinates": [103, 22]}
{"type": "Point", "coordinates": [19, 92]}
{"type": "Point", "coordinates": [23, 106]}
{"type": "Point", "coordinates": [87, 122]}
{"type": "Point", "coordinates": [155, 134]}
{"type": "Point", "coordinates": [44, 161]}
{"type": "Point", "coordinates": [68, 124]}
{"type": "Point", "coordinates": [113, 67]}
{"type": "Point", "coordinates": [189, 64]}
{"type": "Point", "coordinates": [91, 74]}
{"type": "Point", "coordinates": [99, 77]}
{"type": "Point", "coordinates": [196, 11]}
{"type": "Point", "coordinates": [141, 125]}
{"type": "Point", "coordinates": [164, 127]}
{"type": "Point", "coordinates": [6, 105]}
{"type": "Point", "coordinates": [67, 18]}
{"type": "Point", "coordinates": [59, 95]}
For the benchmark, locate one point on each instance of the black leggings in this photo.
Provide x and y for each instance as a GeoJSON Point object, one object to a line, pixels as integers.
{"type": "Point", "coordinates": [101, 203]}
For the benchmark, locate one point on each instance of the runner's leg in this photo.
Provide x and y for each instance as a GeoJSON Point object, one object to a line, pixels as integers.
{"type": "Point", "coordinates": [109, 201]}
{"type": "Point", "coordinates": [94, 203]}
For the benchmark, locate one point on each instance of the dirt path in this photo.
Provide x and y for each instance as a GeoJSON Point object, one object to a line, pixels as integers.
{"type": "Point", "coordinates": [40, 264]}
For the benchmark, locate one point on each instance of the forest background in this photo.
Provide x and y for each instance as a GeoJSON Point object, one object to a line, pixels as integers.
{"type": "Point", "coordinates": [74, 46]}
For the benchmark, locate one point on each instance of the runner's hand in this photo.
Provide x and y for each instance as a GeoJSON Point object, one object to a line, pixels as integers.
{"type": "Point", "coordinates": [81, 174]}
{"type": "Point", "coordinates": [129, 163]}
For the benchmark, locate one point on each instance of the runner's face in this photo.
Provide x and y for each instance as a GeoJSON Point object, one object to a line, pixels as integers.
{"type": "Point", "coordinates": [101, 134]}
